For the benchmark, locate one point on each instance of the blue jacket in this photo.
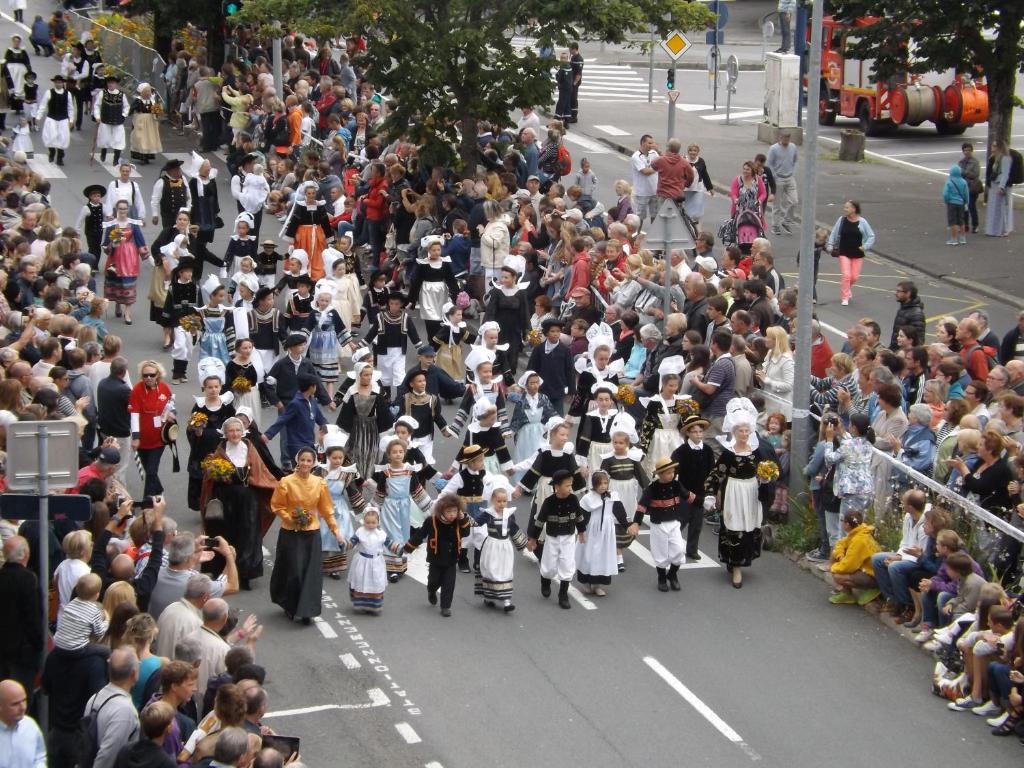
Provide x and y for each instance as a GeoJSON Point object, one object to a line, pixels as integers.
{"type": "Point", "coordinates": [919, 448]}
{"type": "Point", "coordinates": [954, 191]}
{"type": "Point", "coordinates": [298, 419]}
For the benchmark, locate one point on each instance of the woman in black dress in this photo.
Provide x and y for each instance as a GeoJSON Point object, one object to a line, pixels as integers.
{"type": "Point", "coordinates": [203, 437]}
{"type": "Point", "coordinates": [244, 499]}
{"type": "Point", "coordinates": [508, 307]}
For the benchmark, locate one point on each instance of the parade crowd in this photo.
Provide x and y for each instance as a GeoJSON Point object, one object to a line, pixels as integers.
{"type": "Point", "coordinates": [580, 389]}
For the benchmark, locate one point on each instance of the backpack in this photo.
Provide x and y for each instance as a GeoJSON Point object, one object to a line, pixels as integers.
{"type": "Point", "coordinates": [1016, 167]}
{"type": "Point", "coordinates": [87, 737]}
{"type": "Point", "coordinates": [565, 162]}
{"type": "Point", "coordinates": [990, 356]}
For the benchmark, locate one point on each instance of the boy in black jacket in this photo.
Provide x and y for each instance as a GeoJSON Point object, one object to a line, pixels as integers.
{"type": "Point", "coordinates": [443, 532]}
{"type": "Point", "coordinates": [695, 459]}
{"type": "Point", "coordinates": [563, 522]}
{"type": "Point", "coordinates": [552, 360]}
{"type": "Point", "coordinates": [663, 500]}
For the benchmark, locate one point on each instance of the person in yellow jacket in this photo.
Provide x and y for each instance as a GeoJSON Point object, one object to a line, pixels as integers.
{"type": "Point", "coordinates": [239, 104]}
{"type": "Point", "coordinates": [851, 562]}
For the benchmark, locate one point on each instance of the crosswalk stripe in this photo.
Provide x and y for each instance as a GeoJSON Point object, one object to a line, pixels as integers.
{"type": "Point", "coordinates": [611, 130]}
{"type": "Point", "coordinates": [644, 554]}
{"type": "Point", "coordinates": [693, 107]}
{"type": "Point", "coordinates": [46, 169]}
{"type": "Point", "coordinates": [587, 144]}
{"type": "Point", "coordinates": [733, 115]}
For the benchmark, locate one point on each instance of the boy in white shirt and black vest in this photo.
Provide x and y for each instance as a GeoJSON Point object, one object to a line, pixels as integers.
{"type": "Point", "coordinates": [563, 522]}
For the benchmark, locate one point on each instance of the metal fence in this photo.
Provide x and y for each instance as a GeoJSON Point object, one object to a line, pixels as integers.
{"type": "Point", "coordinates": [129, 58]}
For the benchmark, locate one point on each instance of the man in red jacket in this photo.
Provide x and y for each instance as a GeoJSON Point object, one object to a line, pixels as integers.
{"type": "Point", "coordinates": [821, 352]}
{"type": "Point", "coordinates": [376, 202]}
{"type": "Point", "coordinates": [151, 404]}
{"type": "Point", "coordinates": [675, 173]}
{"type": "Point", "coordinates": [973, 355]}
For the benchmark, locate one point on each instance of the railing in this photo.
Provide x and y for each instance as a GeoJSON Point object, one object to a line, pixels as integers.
{"type": "Point", "coordinates": [976, 525]}
{"type": "Point", "coordinates": [133, 61]}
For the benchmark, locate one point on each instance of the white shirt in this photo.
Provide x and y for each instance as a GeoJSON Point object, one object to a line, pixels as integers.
{"type": "Point", "coordinates": [66, 575]}
{"type": "Point", "coordinates": [22, 745]}
{"type": "Point", "coordinates": [178, 620]}
{"type": "Point", "coordinates": [237, 452]}
{"type": "Point", "coordinates": [644, 185]}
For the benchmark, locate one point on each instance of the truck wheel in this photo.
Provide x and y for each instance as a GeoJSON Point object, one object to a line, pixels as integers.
{"type": "Point", "coordinates": [826, 114]}
{"type": "Point", "coordinates": [869, 126]}
{"type": "Point", "coordinates": [950, 129]}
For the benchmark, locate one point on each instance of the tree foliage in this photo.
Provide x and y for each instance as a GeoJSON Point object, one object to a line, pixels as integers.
{"type": "Point", "coordinates": [169, 15]}
{"type": "Point", "coordinates": [983, 36]}
{"type": "Point", "coordinates": [449, 63]}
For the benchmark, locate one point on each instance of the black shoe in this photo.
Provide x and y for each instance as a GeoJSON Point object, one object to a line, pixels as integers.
{"type": "Point", "coordinates": [622, 567]}
{"type": "Point", "coordinates": [673, 583]}
{"type": "Point", "coordinates": [662, 585]}
{"type": "Point", "coordinates": [306, 621]}
{"type": "Point", "coordinates": [335, 576]}
{"type": "Point", "coordinates": [432, 597]}
{"type": "Point", "coordinates": [464, 562]}
{"type": "Point", "coordinates": [508, 608]}
{"type": "Point", "coordinates": [291, 616]}
{"type": "Point", "coordinates": [489, 603]}
{"type": "Point", "coordinates": [563, 595]}
{"type": "Point", "coordinates": [393, 578]}
{"type": "Point", "coordinates": [695, 557]}
{"type": "Point", "coordinates": [563, 602]}
{"type": "Point", "coordinates": [545, 587]}
{"type": "Point", "coordinates": [446, 612]}
{"type": "Point", "coordinates": [244, 585]}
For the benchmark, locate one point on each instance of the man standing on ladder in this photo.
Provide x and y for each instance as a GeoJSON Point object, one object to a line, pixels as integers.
{"type": "Point", "coordinates": [576, 62]}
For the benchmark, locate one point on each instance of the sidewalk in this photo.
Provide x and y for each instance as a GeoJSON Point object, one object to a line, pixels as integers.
{"type": "Point", "coordinates": [904, 207]}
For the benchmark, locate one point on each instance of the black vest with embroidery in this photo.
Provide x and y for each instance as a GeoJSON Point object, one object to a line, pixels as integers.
{"type": "Point", "coordinates": [59, 106]}
{"type": "Point", "coordinates": [112, 108]}
{"type": "Point", "coordinates": [173, 198]}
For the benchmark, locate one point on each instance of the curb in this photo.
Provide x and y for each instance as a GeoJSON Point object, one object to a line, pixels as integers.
{"type": "Point", "coordinates": [968, 285]}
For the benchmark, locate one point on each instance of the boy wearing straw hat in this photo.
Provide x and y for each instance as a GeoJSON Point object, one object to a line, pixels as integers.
{"type": "Point", "coordinates": [663, 500]}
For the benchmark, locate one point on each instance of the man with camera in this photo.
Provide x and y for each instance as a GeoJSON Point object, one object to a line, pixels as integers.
{"type": "Point", "coordinates": [185, 553]}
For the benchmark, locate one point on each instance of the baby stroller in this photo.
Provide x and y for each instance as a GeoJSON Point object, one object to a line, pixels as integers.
{"type": "Point", "coordinates": [742, 229]}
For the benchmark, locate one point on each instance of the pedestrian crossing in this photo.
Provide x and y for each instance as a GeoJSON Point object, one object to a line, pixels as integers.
{"type": "Point", "coordinates": [613, 82]}
{"type": "Point", "coordinates": [417, 568]}
{"type": "Point", "coordinates": [47, 170]}
{"type": "Point", "coordinates": [736, 113]}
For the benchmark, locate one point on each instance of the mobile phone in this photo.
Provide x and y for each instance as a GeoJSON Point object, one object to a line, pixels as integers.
{"type": "Point", "coordinates": [146, 503]}
{"type": "Point", "coordinates": [286, 745]}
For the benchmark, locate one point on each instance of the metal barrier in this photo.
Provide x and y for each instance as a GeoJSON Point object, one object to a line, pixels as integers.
{"type": "Point", "coordinates": [129, 58]}
{"type": "Point", "coordinates": [979, 517]}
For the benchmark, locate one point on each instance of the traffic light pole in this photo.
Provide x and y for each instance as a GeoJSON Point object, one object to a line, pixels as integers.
{"type": "Point", "coordinates": [277, 64]}
{"type": "Point", "coordinates": [673, 94]}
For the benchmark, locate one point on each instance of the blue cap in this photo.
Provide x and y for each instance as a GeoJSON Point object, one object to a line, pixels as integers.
{"type": "Point", "coordinates": [427, 351]}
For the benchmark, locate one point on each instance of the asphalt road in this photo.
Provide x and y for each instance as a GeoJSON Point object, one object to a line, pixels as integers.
{"type": "Point", "coordinates": [709, 676]}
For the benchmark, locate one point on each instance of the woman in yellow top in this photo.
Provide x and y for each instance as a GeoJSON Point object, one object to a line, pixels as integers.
{"type": "Point", "coordinates": [300, 500]}
{"type": "Point", "coordinates": [851, 562]}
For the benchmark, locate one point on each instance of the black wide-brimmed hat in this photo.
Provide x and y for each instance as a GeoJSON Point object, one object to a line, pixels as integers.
{"type": "Point", "coordinates": [95, 188]}
{"type": "Point", "coordinates": [172, 164]}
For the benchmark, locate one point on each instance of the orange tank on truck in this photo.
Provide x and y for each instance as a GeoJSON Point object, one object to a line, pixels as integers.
{"type": "Point", "coordinates": [849, 87]}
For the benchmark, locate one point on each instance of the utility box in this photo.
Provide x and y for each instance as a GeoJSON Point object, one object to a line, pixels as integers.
{"type": "Point", "coordinates": [781, 89]}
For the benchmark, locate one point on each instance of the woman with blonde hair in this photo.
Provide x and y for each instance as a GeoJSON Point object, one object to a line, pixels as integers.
{"type": "Point", "coordinates": [140, 633]}
{"type": "Point", "coordinates": [624, 204]}
{"type": "Point", "coordinates": [777, 377]}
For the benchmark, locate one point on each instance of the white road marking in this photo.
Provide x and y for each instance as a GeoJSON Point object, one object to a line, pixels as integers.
{"type": "Point", "coordinates": [611, 130]}
{"type": "Point", "coordinates": [325, 629]}
{"type": "Point", "coordinates": [266, 552]}
{"type": "Point", "coordinates": [584, 602]}
{"type": "Point", "coordinates": [703, 709]}
{"type": "Point", "coordinates": [644, 554]}
{"type": "Point", "coordinates": [406, 732]}
{"type": "Point", "coordinates": [588, 144]}
{"type": "Point", "coordinates": [350, 661]}
{"type": "Point", "coordinates": [377, 699]}
{"type": "Point", "coordinates": [10, 19]}
{"type": "Point", "coordinates": [694, 107]}
{"type": "Point", "coordinates": [46, 169]}
{"type": "Point", "coordinates": [433, 764]}
{"type": "Point", "coordinates": [943, 152]}
{"type": "Point", "coordinates": [734, 115]}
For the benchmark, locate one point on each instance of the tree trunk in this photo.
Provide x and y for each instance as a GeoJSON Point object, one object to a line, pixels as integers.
{"type": "Point", "coordinates": [1000, 105]}
{"type": "Point", "coordinates": [469, 151]}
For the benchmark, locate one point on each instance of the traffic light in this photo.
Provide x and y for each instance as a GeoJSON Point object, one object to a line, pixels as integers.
{"type": "Point", "coordinates": [670, 80]}
{"type": "Point", "coordinates": [232, 7]}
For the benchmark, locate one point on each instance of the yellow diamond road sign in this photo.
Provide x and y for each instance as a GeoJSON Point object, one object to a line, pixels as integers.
{"type": "Point", "coordinates": [675, 45]}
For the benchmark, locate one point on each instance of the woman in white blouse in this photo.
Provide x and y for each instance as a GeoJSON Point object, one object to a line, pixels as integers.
{"type": "Point", "coordinates": [777, 377]}
{"type": "Point", "coordinates": [77, 547]}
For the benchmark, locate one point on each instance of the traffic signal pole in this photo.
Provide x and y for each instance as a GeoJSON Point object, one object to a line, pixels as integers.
{"type": "Point", "coordinates": [670, 85]}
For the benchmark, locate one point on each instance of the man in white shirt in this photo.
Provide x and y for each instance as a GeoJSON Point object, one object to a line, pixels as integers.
{"type": "Point", "coordinates": [645, 179]}
{"type": "Point", "coordinates": [21, 742]}
{"type": "Point", "coordinates": [529, 119]}
{"type": "Point", "coordinates": [183, 617]}
{"type": "Point", "coordinates": [893, 568]}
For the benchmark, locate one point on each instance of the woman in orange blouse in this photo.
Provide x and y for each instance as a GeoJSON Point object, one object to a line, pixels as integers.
{"type": "Point", "coordinates": [300, 500]}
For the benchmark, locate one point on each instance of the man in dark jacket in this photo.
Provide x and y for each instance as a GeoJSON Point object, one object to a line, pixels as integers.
{"type": "Point", "coordinates": [696, 306]}
{"type": "Point", "coordinates": [438, 381]}
{"type": "Point", "coordinates": [670, 346]}
{"type": "Point", "coordinates": [1012, 346]}
{"type": "Point", "coordinates": [112, 395]}
{"type": "Point", "coordinates": [551, 359]}
{"type": "Point", "coordinates": [910, 313]}
{"type": "Point", "coordinates": [70, 679]}
{"type": "Point", "coordinates": [21, 642]}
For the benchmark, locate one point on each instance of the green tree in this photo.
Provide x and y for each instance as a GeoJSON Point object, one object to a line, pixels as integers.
{"type": "Point", "coordinates": [985, 36]}
{"type": "Point", "coordinates": [171, 15]}
{"type": "Point", "coordinates": [450, 63]}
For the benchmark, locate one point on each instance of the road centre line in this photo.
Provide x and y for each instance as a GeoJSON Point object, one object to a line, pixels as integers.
{"type": "Point", "coordinates": [702, 709]}
{"type": "Point", "coordinates": [325, 629]}
{"type": "Point", "coordinates": [407, 732]}
{"type": "Point", "coordinates": [350, 661]}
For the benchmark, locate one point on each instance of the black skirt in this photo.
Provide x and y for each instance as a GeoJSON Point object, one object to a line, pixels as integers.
{"type": "Point", "coordinates": [296, 583]}
{"type": "Point", "coordinates": [240, 527]}
{"type": "Point", "coordinates": [739, 548]}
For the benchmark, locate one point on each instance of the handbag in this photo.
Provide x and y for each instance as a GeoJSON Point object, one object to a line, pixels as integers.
{"type": "Point", "coordinates": [214, 510]}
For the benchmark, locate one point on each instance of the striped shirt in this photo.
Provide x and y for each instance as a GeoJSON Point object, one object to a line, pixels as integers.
{"type": "Point", "coordinates": [79, 621]}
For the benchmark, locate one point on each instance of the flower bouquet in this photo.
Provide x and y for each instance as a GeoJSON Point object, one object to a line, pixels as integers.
{"type": "Point", "coordinates": [157, 109]}
{"type": "Point", "coordinates": [217, 468]}
{"type": "Point", "coordinates": [198, 420]}
{"type": "Point", "coordinates": [117, 236]}
{"type": "Point", "coordinates": [625, 394]}
{"type": "Point", "coordinates": [535, 337]}
{"type": "Point", "coordinates": [301, 518]}
{"type": "Point", "coordinates": [191, 324]}
{"type": "Point", "coordinates": [767, 471]}
{"type": "Point", "coordinates": [240, 385]}
{"type": "Point", "coordinates": [687, 407]}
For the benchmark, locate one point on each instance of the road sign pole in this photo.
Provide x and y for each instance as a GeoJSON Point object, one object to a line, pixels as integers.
{"type": "Point", "coordinates": [672, 96]}
{"type": "Point", "coordinates": [802, 423]}
{"type": "Point", "coordinates": [714, 51]}
{"type": "Point", "coordinates": [44, 558]}
{"type": "Point", "coordinates": [650, 71]}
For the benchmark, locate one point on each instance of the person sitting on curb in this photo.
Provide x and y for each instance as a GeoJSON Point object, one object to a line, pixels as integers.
{"type": "Point", "coordinates": [851, 562]}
